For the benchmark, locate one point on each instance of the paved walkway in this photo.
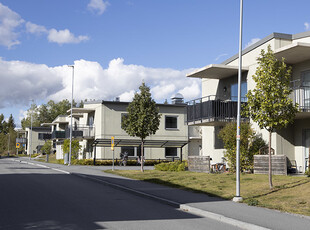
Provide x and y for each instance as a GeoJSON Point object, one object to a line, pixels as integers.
{"type": "Point", "coordinates": [237, 214]}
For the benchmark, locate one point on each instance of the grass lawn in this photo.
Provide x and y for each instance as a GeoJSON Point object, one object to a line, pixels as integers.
{"type": "Point", "coordinates": [290, 194]}
{"type": "Point", "coordinates": [51, 159]}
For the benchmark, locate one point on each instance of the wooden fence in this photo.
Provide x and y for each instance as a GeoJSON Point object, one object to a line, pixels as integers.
{"type": "Point", "coordinates": [199, 163]}
{"type": "Point", "coordinates": [278, 163]}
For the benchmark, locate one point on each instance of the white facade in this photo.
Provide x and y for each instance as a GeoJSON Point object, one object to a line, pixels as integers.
{"type": "Point", "coordinates": [221, 80]}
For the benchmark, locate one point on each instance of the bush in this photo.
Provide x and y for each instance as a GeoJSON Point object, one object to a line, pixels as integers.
{"type": "Point", "coordinates": [307, 173]}
{"type": "Point", "coordinates": [176, 166]}
{"type": "Point", "coordinates": [109, 162]}
{"type": "Point", "coordinates": [252, 202]}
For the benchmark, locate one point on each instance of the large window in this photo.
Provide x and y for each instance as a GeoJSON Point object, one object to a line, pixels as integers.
{"type": "Point", "coordinates": [218, 143]}
{"type": "Point", "coordinates": [234, 91]}
{"type": "Point", "coordinates": [129, 150]}
{"type": "Point", "coordinates": [171, 122]}
{"type": "Point", "coordinates": [171, 152]}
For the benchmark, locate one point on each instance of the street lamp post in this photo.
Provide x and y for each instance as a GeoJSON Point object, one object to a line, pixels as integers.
{"type": "Point", "coordinates": [70, 150]}
{"type": "Point", "coordinates": [238, 198]}
{"type": "Point", "coordinates": [30, 136]}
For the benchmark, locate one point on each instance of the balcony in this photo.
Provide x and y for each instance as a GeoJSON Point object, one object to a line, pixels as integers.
{"type": "Point", "coordinates": [58, 135]}
{"type": "Point", "coordinates": [21, 140]}
{"type": "Point", "coordinates": [212, 111]}
{"type": "Point", "coordinates": [83, 132]}
{"type": "Point", "coordinates": [44, 136]}
{"type": "Point", "coordinates": [301, 96]}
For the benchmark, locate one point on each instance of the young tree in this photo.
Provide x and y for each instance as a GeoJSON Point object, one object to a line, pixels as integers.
{"type": "Point", "coordinates": [269, 104]}
{"type": "Point", "coordinates": [75, 148]}
{"type": "Point", "coordinates": [143, 117]}
{"type": "Point", "coordinates": [250, 144]}
{"type": "Point", "coordinates": [47, 147]}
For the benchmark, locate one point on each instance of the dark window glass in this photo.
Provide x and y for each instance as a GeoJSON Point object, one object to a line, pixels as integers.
{"type": "Point", "coordinates": [129, 150]}
{"type": "Point", "coordinates": [171, 122]}
{"type": "Point", "coordinates": [171, 152]}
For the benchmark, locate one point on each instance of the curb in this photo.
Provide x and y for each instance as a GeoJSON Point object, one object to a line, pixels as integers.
{"type": "Point", "coordinates": [182, 207]}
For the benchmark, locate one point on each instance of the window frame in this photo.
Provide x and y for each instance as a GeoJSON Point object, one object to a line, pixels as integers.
{"type": "Point", "coordinates": [171, 116]}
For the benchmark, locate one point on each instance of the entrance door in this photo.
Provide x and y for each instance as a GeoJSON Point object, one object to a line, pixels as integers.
{"type": "Point", "coordinates": [307, 148]}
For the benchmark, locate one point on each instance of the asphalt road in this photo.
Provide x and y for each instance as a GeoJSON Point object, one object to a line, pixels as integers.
{"type": "Point", "coordinates": [32, 197]}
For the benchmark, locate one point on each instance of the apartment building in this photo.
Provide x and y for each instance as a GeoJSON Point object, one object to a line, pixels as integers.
{"type": "Point", "coordinates": [218, 104]}
{"type": "Point", "coordinates": [98, 121]}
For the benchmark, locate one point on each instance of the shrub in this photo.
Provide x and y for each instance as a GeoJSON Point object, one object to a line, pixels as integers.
{"type": "Point", "coordinates": [171, 166]}
{"type": "Point", "coordinates": [252, 202]}
{"type": "Point", "coordinates": [307, 173]}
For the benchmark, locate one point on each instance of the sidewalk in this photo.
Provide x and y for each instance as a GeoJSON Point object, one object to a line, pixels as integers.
{"type": "Point", "coordinates": [238, 214]}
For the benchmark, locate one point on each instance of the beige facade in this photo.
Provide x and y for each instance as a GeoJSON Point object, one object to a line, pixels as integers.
{"type": "Point", "coordinates": [101, 120]}
{"type": "Point", "coordinates": [107, 116]}
{"type": "Point", "coordinates": [221, 79]}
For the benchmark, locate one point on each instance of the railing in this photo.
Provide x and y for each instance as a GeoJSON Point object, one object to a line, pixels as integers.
{"type": "Point", "coordinates": [301, 95]}
{"type": "Point", "coordinates": [81, 131]}
{"type": "Point", "coordinates": [21, 140]}
{"type": "Point", "coordinates": [58, 135]}
{"type": "Point", "coordinates": [212, 108]}
{"type": "Point", "coordinates": [44, 136]}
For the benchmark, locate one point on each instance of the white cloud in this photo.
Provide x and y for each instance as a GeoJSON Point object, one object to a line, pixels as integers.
{"type": "Point", "coordinates": [97, 6]}
{"type": "Point", "coordinates": [9, 22]}
{"type": "Point", "coordinates": [220, 56]}
{"type": "Point", "coordinates": [64, 36]}
{"type": "Point", "coordinates": [307, 25]}
{"type": "Point", "coordinates": [22, 81]}
{"type": "Point", "coordinates": [35, 29]}
{"type": "Point", "coordinates": [253, 40]}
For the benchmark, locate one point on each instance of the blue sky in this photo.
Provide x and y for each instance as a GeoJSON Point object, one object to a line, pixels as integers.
{"type": "Point", "coordinates": [116, 44]}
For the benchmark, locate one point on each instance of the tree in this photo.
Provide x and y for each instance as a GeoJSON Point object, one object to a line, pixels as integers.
{"type": "Point", "coordinates": [250, 143]}
{"type": "Point", "coordinates": [45, 113]}
{"type": "Point", "coordinates": [47, 147]}
{"type": "Point", "coordinates": [268, 103]}
{"type": "Point", "coordinates": [143, 117]}
{"type": "Point", "coordinates": [75, 148]}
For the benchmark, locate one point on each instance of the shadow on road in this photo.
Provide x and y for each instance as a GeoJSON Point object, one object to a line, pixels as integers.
{"type": "Point", "coordinates": [58, 201]}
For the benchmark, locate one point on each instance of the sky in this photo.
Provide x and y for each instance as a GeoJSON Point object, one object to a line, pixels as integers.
{"type": "Point", "coordinates": [114, 45]}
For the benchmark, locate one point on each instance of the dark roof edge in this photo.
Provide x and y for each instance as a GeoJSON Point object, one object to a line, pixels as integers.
{"type": "Point", "coordinates": [158, 104]}
{"type": "Point", "coordinates": [262, 41]}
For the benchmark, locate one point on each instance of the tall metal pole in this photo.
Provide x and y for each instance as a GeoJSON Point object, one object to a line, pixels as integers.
{"type": "Point", "coordinates": [30, 136]}
{"type": "Point", "coordinates": [238, 198]}
{"type": "Point", "coordinates": [70, 151]}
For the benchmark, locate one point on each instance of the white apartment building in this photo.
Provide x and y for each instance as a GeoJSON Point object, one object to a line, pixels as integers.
{"type": "Point", "coordinates": [218, 104]}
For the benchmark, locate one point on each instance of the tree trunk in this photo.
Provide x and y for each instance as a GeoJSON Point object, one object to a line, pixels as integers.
{"type": "Point", "coordinates": [142, 154]}
{"type": "Point", "coordinates": [270, 166]}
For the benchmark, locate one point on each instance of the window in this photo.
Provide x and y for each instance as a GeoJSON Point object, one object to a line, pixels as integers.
{"type": "Point", "coordinates": [171, 152]}
{"type": "Point", "coordinates": [218, 143]}
{"type": "Point", "coordinates": [234, 91]}
{"type": "Point", "coordinates": [90, 120]}
{"type": "Point", "coordinates": [171, 122]}
{"type": "Point", "coordinates": [129, 150]}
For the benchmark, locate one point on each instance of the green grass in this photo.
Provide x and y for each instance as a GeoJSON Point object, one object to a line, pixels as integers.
{"type": "Point", "coordinates": [290, 194]}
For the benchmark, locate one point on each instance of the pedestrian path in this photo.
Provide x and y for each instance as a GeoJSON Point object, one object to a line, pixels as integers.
{"type": "Point", "coordinates": [237, 214]}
